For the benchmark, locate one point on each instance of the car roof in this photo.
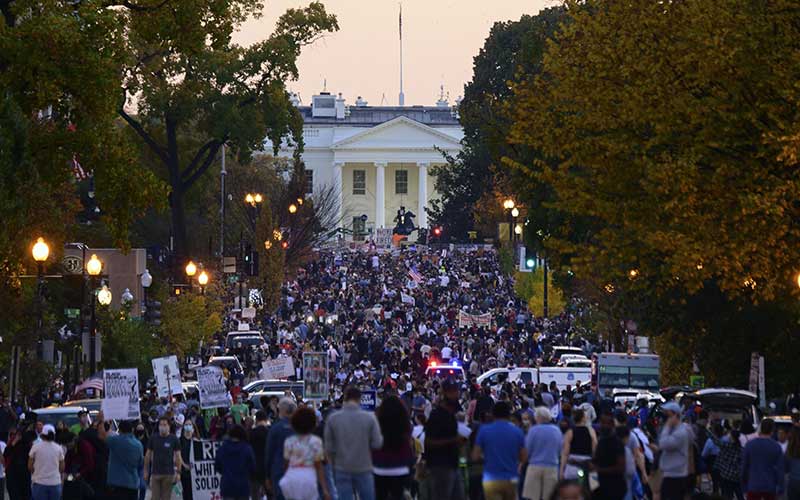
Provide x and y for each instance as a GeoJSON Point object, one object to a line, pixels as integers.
{"type": "Point", "coordinates": [59, 409]}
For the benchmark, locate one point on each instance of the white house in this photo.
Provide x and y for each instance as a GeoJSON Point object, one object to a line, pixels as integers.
{"type": "Point", "coordinates": [377, 158]}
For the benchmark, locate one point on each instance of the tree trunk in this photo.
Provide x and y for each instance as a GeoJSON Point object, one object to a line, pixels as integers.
{"type": "Point", "coordinates": [180, 245]}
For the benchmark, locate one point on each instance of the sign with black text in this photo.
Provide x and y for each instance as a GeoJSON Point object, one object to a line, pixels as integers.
{"type": "Point", "coordinates": [212, 389]}
{"type": "Point", "coordinates": [168, 376]}
{"type": "Point", "coordinates": [121, 394]}
{"type": "Point", "coordinates": [205, 480]}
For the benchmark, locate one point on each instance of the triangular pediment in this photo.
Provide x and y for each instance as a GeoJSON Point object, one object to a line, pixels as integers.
{"type": "Point", "coordinates": [398, 133]}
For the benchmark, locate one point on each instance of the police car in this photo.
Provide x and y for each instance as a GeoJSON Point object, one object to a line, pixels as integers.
{"type": "Point", "coordinates": [451, 370]}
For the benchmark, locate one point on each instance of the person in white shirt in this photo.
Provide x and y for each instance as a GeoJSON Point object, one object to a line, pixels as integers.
{"type": "Point", "coordinates": [46, 463]}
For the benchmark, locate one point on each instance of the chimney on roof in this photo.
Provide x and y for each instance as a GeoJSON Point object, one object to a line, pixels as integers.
{"type": "Point", "coordinates": [340, 108]}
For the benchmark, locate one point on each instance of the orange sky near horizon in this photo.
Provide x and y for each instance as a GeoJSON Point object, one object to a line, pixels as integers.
{"type": "Point", "coordinates": [440, 38]}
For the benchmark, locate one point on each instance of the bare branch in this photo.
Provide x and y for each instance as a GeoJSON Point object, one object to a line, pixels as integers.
{"type": "Point", "coordinates": [148, 139]}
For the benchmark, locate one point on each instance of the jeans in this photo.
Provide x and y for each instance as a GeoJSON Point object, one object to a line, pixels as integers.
{"type": "Point", "coordinates": [445, 483]}
{"type": "Point", "coordinates": [45, 492]}
{"type": "Point", "coordinates": [362, 483]}
{"type": "Point", "coordinates": [331, 483]}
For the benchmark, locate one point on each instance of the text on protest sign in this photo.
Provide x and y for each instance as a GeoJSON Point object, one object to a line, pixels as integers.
{"type": "Point", "coordinates": [168, 376]}
{"type": "Point", "coordinates": [315, 375]}
{"type": "Point", "coordinates": [281, 367]}
{"type": "Point", "coordinates": [465, 319]}
{"type": "Point", "coordinates": [211, 386]}
{"type": "Point", "coordinates": [205, 480]}
{"type": "Point", "coordinates": [121, 394]}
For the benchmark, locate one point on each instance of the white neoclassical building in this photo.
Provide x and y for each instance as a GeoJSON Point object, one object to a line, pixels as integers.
{"type": "Point", "coordinates": [377, 158]}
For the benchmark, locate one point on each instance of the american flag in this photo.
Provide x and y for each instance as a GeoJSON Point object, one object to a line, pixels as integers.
{"type": "Point", "coordinates": [414, 275]}
{"type": "Point", "coordinates": [92, 383]}
{"type": "Point", "coordinates": [78, 171]}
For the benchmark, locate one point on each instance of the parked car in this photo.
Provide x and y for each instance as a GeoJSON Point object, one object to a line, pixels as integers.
{"type": "Point", "coordinates": [54, 414]}
{"type": "Point", "coordinates": [727, 403]}
{"type": "Point", "coordinates": [230, 362]}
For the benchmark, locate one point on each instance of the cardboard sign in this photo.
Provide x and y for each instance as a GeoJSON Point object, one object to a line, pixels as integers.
{"type": "Point", "coordinates": [281, 367]}
{"type": "Point", "coordinates": [121, 394]}
{"type": "Point", "coordinates": [212, 389]}
{"type": "Point", "coordinates": [205, 480]}
{"type": "Point", "coordinates": [168, 376]}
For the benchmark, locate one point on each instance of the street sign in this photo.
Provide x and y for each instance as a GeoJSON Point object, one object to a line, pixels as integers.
{"type": "Point", "coordinates": [72, 312]}
{"type": "Point", "coordinates": [697, 381]}
{"type": "Point", "coordinates": [229, 265]}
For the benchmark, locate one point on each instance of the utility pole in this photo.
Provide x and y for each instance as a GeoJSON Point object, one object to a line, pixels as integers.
{"type": "Point", "coordinates": [222, 174]}
{"type": "Point", "coordinates": [544, 295]}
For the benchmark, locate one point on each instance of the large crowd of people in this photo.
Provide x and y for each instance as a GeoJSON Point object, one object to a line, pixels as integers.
{"type": "Point", "coordinates": [383, 318]}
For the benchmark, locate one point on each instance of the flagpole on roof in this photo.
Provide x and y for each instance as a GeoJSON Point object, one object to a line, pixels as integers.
{"type": "Point", "coordinates": [402, 97]}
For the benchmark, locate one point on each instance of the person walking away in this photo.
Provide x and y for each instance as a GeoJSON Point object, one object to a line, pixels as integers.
{"type": "Point", "coordinates": [350, 436]}
{"type": "Point", "coordinates": [46, 463]}
{"type": "Point", "coordinates": [235, 463]}
{"type": "Point", "coordinates": [543, 445]}
{"type": "Point", "coordinates": [186, 440]}
{"type": "Point", "coordinates": [392, 462]}
{"type": "Point", "coordinates": [674, 442]}
{"type": "Point", "coordinates": [762, 465]}
{"type": "Point", "coordinates": [502, 445]}
{"type": "Point", "coordinates": [16, 459]}
{"type": "Point", "coordinates": [278, 433]}
{"type": "Point", "coordinates": [442, 443]}
{"type": "Point", "coordinates": [729, 465]}
{"type": "Point", "coordinates": [609, 462]}
{"type": "Point", "coordinates": [125, 460]}
{"type": "Point", "coordinates": [258, 441]}
{"type": "Point", "coordinates": [164, 455]}
{"type": "Point", "coordinates": [578, 446]}
{"type": "Point", "coordinates": [793, 464]}
{"type": "Point", "coordinates": [304, 453]}
{"type": "Point", "coordinates": [709, 455]}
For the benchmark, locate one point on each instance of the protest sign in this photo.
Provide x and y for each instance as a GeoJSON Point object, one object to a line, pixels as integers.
{"type": "Point", "coordinates": [280, 367]}
{"type": "Point", "coordinates": [211, 386]}
{"type": "Point", "coordinates": [168, 376]}
{"type": "Point", "coordinates": [383, 236]}
{"type": "Point", "coordinates": [120, 385]}
{"type": "Point", "coordinates": [205, 480]}
{"type": "Point", "coordinates": [407, 299]}
{"type": "Point", "coordinates": [315, 375]}
{"type": "Point", "coordinates": [466, 320]}
{"type": "Point", "coordinates": [369, 400]}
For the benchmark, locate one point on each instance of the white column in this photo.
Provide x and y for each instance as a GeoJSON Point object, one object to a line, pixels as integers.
{"type": "Point", "coordinates": [380, 195]}
{"type": "Point", "coordinates": [422, 216]}
{"type": "Point", "coordinates": [339, 188]}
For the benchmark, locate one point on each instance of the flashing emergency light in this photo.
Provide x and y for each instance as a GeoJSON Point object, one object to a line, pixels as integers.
{"type": "Point", "coordinates": [433, 364]}
{"type": "Point", "coordinates": [454, 362]}
{"type": "Point", "coordinates": [451, 372]}
{"type": "Point", "coordinates": [437, 231]}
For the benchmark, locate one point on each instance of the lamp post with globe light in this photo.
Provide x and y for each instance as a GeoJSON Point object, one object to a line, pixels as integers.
{"type": "Point", "coordinates": [202, 280]}
{"type": "Point", "coordinates": [40, 253]}
{"type": "Point", "coordinates": [94, 266]}
{"type": "Point", "coordinates": [146, 280]}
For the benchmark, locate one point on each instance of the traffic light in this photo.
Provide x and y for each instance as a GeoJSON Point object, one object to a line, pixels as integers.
{"type": "Point", "coordinates": [437, 231]}
{"type": "Point", "coordinates": [527, 260]}
{"type": "Point", "coordinates": [153, 313]}
{"type": "Point", "coordinates": [179, 289]}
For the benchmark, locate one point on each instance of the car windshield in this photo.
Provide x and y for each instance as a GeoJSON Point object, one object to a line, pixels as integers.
{"type": "Point", "coordinates": [69, 419]}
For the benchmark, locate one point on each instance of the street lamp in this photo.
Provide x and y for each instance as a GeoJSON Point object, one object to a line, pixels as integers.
{"type": "Point", "coordinates": [127, 297]}
{"type": "Point", "coordinates": [146, 280]}
{"type": "Point", "coordinates": [299, 200]}
{"type": "Point", "coordinates": [508, 204]}
{"type": "Point", "coordinates": [515, 212]}
{"type": "Point", "coordinates": [40, 253]}
{"type": "Point", "coordinates": [104, 296]}
{"type": "Point", "coordinates": [250, 199]}
{"type": "Point", "coordinates": [94, 266]}
{"type": "Point", "coordinates": [517, 229]}
{"type": "Point", "coordinates": [191, 269]}
{"type": "Point", "coordinates": [202, 280]}
{"type": "Point", "coordinates": [292, 208]}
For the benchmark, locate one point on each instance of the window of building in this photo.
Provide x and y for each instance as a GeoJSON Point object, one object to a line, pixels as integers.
{"type": "Point", "coordinates": [359, 181]}
{"type": "Point", "coordinates": [359, 228]}
{"type": "Point", "coordinates": [309, 181]}
{"type": "Point", "coordinates": [401, 181]}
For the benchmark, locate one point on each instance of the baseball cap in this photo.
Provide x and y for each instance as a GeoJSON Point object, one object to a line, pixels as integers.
{"type": "Point", "coordinates": [48, 429]}
{"type": "Point", "coordinates": [409, 387]}
{"type": "Point", "coordinates": [671, 406]}
{"type": "Point", "coordinates": [179, 419]}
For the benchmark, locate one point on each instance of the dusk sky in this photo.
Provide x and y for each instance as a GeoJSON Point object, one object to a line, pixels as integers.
{"type": "Point", "coordinates": [440, 38]}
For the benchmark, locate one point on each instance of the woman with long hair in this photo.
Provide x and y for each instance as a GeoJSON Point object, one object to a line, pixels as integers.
{"type": "Point", "coordinates": [392, 463]}
{"type": "Point", "coordinates": [793, 464]}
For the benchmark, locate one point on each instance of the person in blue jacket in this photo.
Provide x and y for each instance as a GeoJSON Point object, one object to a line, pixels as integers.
{"type": "Point", "coordinates": [235, 463]}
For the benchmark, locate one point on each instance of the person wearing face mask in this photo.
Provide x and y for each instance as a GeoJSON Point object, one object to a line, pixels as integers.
{"type": "Point", "coordinates": [187, 437]}
{"type": "Point", "coordinates": [164, 454]}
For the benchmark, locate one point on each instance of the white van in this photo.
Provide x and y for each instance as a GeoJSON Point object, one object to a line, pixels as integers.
{"type": "Point", "coordinates": [498, 376]}
{"type": "Point", "coordinates": [564, 376]}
